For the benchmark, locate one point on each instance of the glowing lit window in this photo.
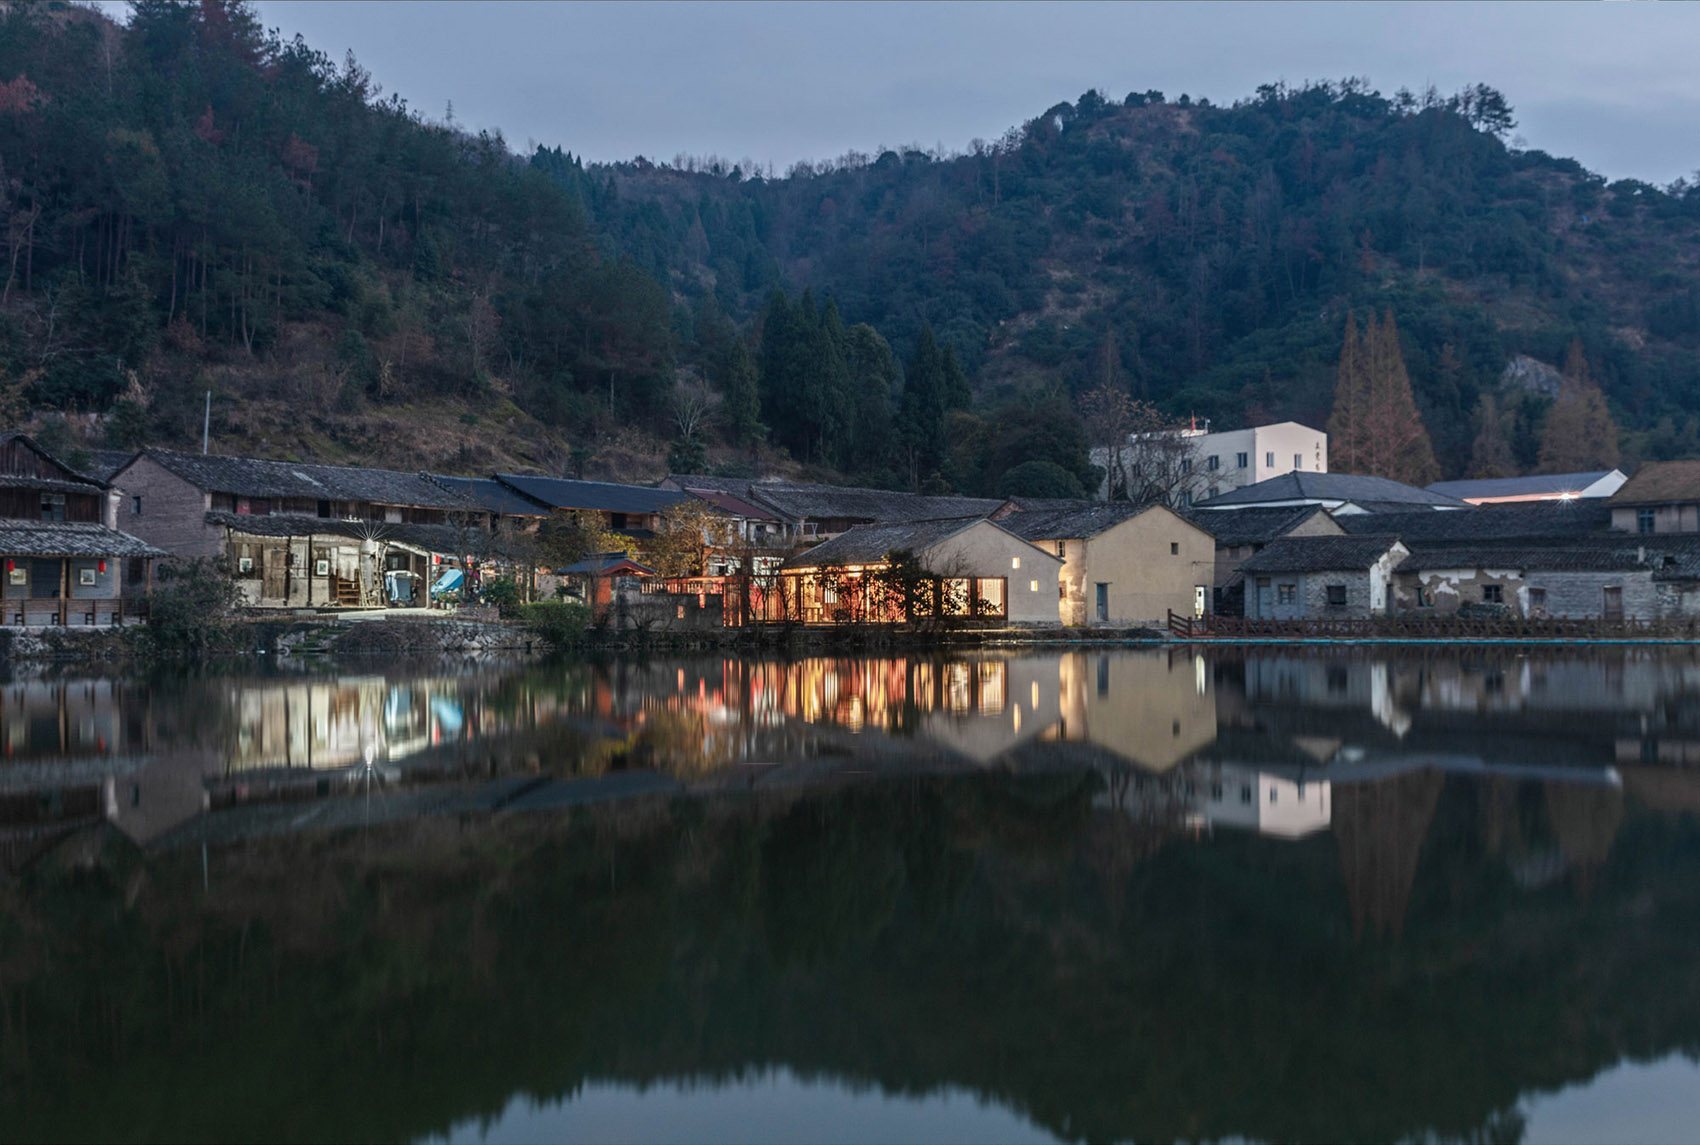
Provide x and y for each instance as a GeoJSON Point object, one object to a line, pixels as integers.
{"type": "Point", "coordinates": [1015, 562]}
{"type": "Point", "coordinates": [1032, 586]}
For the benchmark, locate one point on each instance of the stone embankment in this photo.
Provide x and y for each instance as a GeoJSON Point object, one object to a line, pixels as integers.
{"type": "Point", "coordinates": [64, 645]}
{"type": "Point", "coordinates": [405, 638]}
{"type": "Point", "coordinates": [299, 638]}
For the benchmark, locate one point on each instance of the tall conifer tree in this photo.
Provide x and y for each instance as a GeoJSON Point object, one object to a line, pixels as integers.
{"type": "Point", "coordinates": [873, 378]}
{"type": "Point", "coordinates": [1491, 454]}
{"type": "Point", "coordinates": [1375, 427]}
{"type": "Point", "coordinates": [922, 423]}
{"type": "Point", "coordinates": [1580, 434]}
{"type": "Point", "coordinates": [743, 397]}
{"type": "Point", "coordinates": [1351, 385]}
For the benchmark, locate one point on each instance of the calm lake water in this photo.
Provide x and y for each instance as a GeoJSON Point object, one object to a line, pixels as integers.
{"type": "Point", "coordinates": [1089, 895]}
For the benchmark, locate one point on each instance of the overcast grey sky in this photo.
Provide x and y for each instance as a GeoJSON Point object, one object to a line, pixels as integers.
{"type": "Point", "coordinates": [1615, 85]}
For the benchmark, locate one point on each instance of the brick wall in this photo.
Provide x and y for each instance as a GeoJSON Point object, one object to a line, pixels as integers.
{"type": "Point", "coordinates": [173, 514]}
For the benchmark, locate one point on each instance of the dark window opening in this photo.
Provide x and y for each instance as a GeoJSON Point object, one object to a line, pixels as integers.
{"type": "Point", "coordinates": [1336, 596]}
{"type": "Point", "coordinates": [136, 505]}
{"type": "Point", "coordinates": [1493, 594]}
{"type": "Point", "coordinates": [1645, 520]}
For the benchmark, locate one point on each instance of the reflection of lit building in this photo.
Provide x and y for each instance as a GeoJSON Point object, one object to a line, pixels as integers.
{"type": "Point", "coordinates": [1228, 795]}
{"type": "Point", "coordinates": [338, 723]}
{"type": "Point", "coordinates": [55, 719]}
{"type": "Point", "coordinates": [979, 706]}
{"type": "Point", "coordinates": [1153, 708]}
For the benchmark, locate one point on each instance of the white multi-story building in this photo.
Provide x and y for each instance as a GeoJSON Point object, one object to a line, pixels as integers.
{"type": "Point", "coordinates": [1234, 458]}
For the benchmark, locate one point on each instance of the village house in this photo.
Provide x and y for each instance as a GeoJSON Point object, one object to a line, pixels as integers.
{"type": "Point", "coordinates": [973, 569]}
{"type": "Point", "coordinates": [759, 524]}
{"type": "Point", "coordinates": [1600, 483]}
{"type": "Point", "coordinates": [1342, 494]}
{"type": "Point", "coordinates": [64, 559]}
{"type": "Point", "coordinates": [1662, 497]}
{"type": "Point", "coordinates": [1305, 578]}
{"type": "Point", "coordinates": [1122, 564]}
{"type": "Point", "coordinates": [1577, 578]}
{"type": "Point", "coordinates": [1232, 459]}
{"type": "Point", "coordinates": [1243, 533]}
{"type": "Point", "coordinates": [305, 536]}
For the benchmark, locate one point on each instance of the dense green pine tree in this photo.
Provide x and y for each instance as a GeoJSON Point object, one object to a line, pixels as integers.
{"type": "Point", "coordinates": [742, 401]}
{"type": "Point", "coordinates": [921, 420]}
{"type": "Point", "coordinates": [873, 379]}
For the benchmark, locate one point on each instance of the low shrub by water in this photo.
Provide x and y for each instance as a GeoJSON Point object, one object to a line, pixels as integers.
{"type": "Point", "coordinates": [560, 623]}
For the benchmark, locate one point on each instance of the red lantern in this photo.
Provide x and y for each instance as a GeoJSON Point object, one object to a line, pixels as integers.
{"type": "Point", "coordinates": [102, 566]}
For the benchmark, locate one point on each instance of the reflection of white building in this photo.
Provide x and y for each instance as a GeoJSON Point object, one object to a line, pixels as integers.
{"type": "Point", "coordinates": [342, 722]}
{"type": "Point", "coordinates": [1243, 798]}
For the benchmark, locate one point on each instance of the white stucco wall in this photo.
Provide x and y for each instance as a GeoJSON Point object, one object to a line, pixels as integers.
{"type": "Point", "coordinates": [986, 550]}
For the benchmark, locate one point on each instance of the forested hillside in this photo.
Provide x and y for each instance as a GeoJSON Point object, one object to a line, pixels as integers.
{"type": "Point", "coordinates": [192, 203]}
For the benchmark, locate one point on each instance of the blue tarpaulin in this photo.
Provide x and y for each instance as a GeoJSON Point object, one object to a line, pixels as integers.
{"type": "Point", "coordinates": [448, 582]}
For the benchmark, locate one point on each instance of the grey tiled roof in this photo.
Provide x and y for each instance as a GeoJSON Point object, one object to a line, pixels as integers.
{"type": "Point", "coordinates": [1259, 526]}
{"type": "Point", "coordinates": [798, 501]}
{"type": "Point", "coordinates": [254, 477]}
{"type": "Point", "coordinates": [1605, 554]}
{"type": "Point", "coordinates": [1661, 482]}
{"type": "Point", "coordinates": [103, 463]}
{"type": "Point", "coordinates": [1426, 528]}
{"type": "Point", "coordinates": [829, 502]}
{"type": "Point", "coordinates": [1355, 487]}
{"type": "Point", "coordinates": [1319, 554]}
{"type": "Point", "coordinates": [70, 539]}
{"type": "Point", "coordinates": [47, 484]}
{"type": "Point", "coordinates": [604, 496]}
{"type": "Point", "coordinates": [491, 494]}
{"type": "Point", "coordinates": [1071, 520]}
{"type": "Point", "coordinates": [601, 562]}
{"type": "Point", "coordinates": [869, 544]}
{"type": "Point", "coordinates": [1534, 485]}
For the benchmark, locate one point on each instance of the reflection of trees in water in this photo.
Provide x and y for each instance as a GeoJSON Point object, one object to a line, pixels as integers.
{"type": "Point", "coordinates": [1586, 821]}
{"type": "Point", "coordinates": [909, 934]}
{"type": "Point", "coordinates": [1380, 828]}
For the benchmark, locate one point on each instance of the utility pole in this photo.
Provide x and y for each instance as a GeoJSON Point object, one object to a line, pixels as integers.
{"type": "Point", "coordinates": [206, 425]}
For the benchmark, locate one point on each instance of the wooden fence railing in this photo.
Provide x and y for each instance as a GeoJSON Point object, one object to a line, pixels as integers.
{"type": "Point", "coordinates": [1405, 627]}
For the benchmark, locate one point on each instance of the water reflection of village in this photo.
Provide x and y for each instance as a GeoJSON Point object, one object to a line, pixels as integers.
{"type": "Point", "coordinates": [1254, 740]}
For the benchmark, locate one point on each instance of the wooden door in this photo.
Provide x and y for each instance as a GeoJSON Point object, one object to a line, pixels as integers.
{"type": "Point", "coordinates": [271, 586]}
